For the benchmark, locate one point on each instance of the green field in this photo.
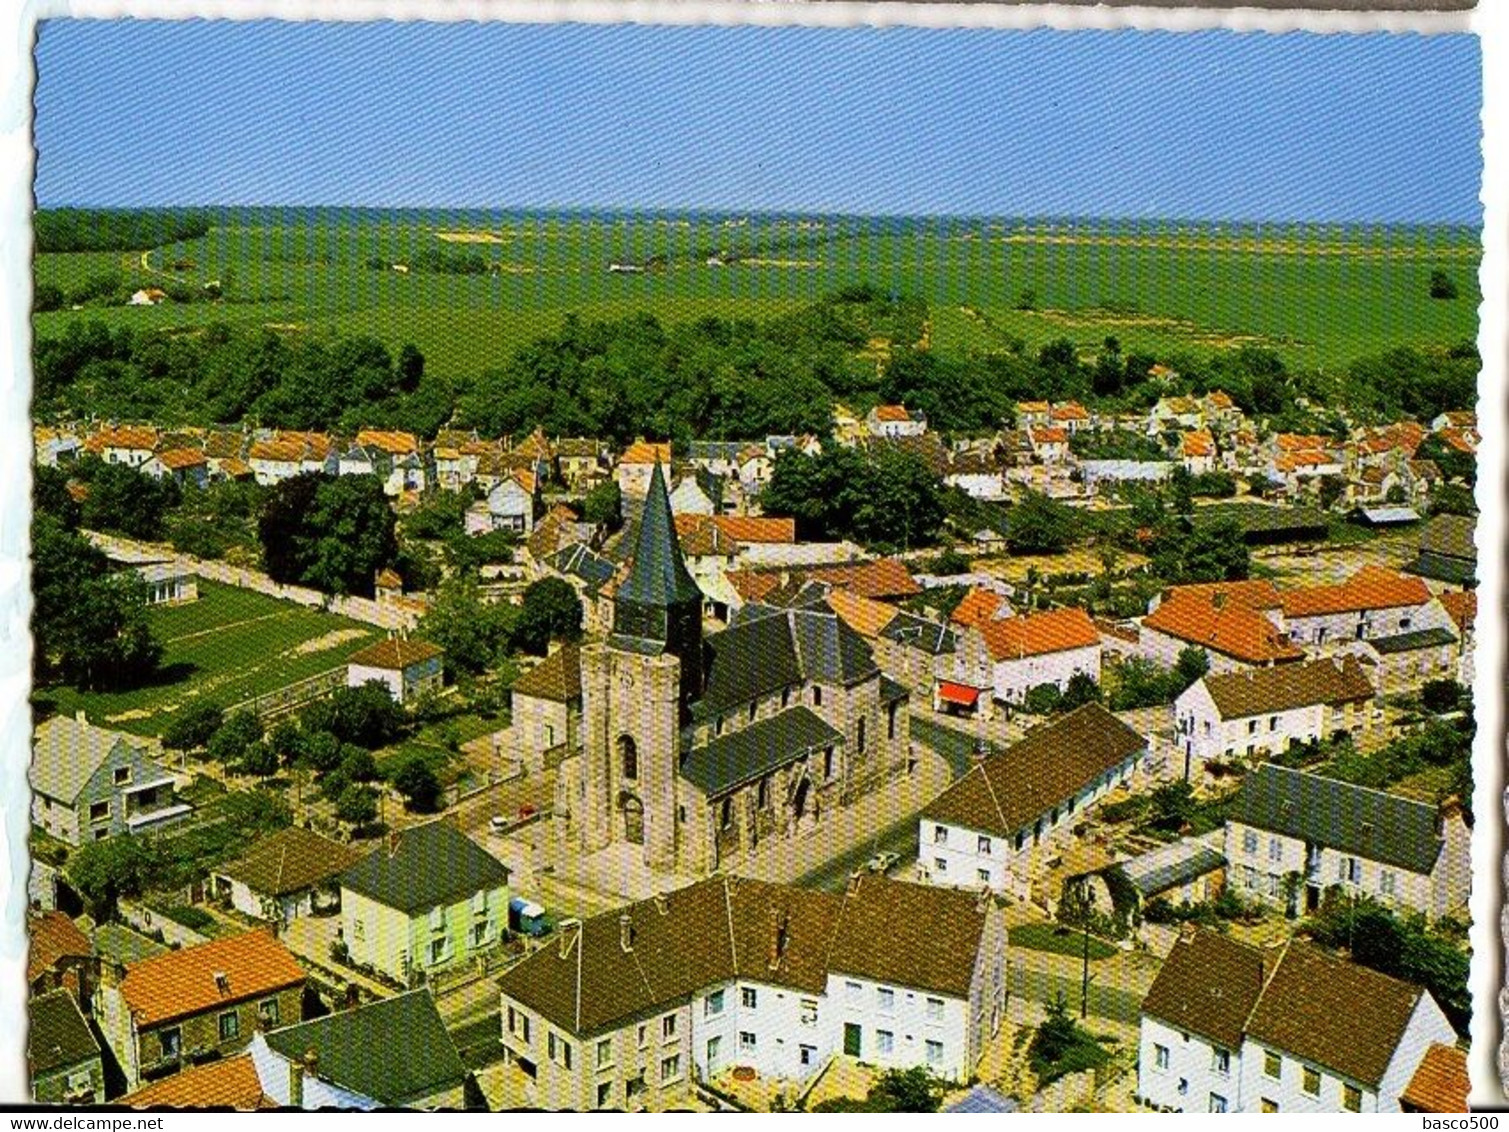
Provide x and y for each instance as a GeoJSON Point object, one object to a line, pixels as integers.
{"type": "Point", "coordinates": [1320, 296]}
{"type": "Point", "coordinates": [1059, 941]}
{"type": "Point", "coordinates": [226, 647]}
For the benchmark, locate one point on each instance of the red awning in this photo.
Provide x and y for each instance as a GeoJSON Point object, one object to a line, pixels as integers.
{"type": "Point", "coordinates": [958, 694]}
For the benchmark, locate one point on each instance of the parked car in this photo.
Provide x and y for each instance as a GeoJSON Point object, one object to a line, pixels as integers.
{"type": "Point", "coordinates": [500, 823]}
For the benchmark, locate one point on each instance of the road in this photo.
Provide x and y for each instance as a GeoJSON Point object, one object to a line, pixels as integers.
{"type": "Point", "coordinates": [957, 746]}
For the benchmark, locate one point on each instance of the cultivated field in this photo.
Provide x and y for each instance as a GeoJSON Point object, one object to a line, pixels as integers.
{"type": "Point", "coordinates": [227, 647]}
{"type": "Point", "coordinates": [1320, 296]}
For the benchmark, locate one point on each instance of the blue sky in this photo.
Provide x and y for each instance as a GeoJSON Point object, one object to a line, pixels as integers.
{"type": "Point", "coordinates": [1130, 124]}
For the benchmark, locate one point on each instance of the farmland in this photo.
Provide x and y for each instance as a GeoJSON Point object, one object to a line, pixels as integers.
{"type": "Point", "coordinates": [227, 647]}
{"type": "Point", "coordinates": [478, 285]}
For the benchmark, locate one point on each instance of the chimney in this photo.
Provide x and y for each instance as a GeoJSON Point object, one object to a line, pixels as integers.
{"type": "Point", "coordinates": [1218, 599]}
{"type": "Point", "coordinates": [353, 996]}
{"type": "Point", "coordinates": [1187, 931]}
{"type": "Point", "coordinates": [570, 929]}
{"type": "Point", "coordinates": [626, 932]}
{"type": "Point", "coordinates": [662, 905]}
{"type": "Point", "coordinates": [79, 716]}
{"type": "Point", "coordinates": [222, 982]}
{"type": "Point", "coordinates": [854, 879]}
{"type": "Point", "coordinates": [1451, 807]}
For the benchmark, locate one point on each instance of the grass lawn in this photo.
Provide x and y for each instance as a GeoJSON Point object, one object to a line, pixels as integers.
{"type": "Point", "coordinates": [226, 647]}
{"type": "Point", "coordinates": [1059, 941]}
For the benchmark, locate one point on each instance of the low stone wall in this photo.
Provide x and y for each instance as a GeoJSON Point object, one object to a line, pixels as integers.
{"type": "Point", "coordinates": [149, 921]}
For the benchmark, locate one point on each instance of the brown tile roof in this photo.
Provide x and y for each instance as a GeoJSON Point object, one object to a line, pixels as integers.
{"type": "Point", "coordinates": [1462, 607]}
{"type": "Point", "coordinates": [1048, 436]}
{"type": "Point", "coordinates": [864, 615]}
{"type": "Point", "coordinates": [1459, 440]}
{"type": "Point", "coordinates": [1293, 461]}
{"type": "Point", "coordinates": [1336, 1014]}
{"type": "Point", "coordinates": [279, 451]}
{"type": "Point", "coordinates": [1012, 638]}
{"type": "Point", "coordinates": [1219, 399]}
{"type": "Point", "coordinates": [291, 860]}
{"type": "Point", "coordinates": [1032, 406]}
{"type": "Point", "coordinates": [389, 578]}
{"type": "Point", "coordinates": [977, 608]}
{"type": "Point", "coordinates": [548, 536]}
{"type": "Point", "coordinates": [708, 539]}
{"type": "Point", "coordinates": [1287, 686]}
{"type": "Point", "coordinates": [178, 458]}
{"type": "Point", "coordinates": [1199, 443]}
{"type": "Point", "coordinates": [1208, 985]}
{"type": "Point", "coordinates": [1253, 593]}
{"type": "Point", "coordinates": [1441, 1084]}
{"type": "Point", "coordinates": [182, 983]}
{"type": "Point", "coordinates": [647, 452]}
{"type": "Point", "coordinates": [743, 528]}
{"type": "Point", "coordinates": [223, 444]}
{"type": "Point", "coordinates": [877, 578]}
{"type": "Point", "coordinates": [1070, 411]}
{"type": "Point", "coordinates": [395, 653]}
{"type": "Point", "coordinates": [725, 927]}
{"type": "Point", "coordinates": [54, 937]}
{"type": "Point", "coordinates": [234, 468]}
{"type": "Point", "coordinates": [535, 445]}
{"type": "Point", "coordinates": [1232, 630]}
{"type": "Point", "coordinates": [393, 443]}
{"type": "Point", "coordinates": [1007, 792]}
{"type": "Point", "coordinates": [231, 1083]}
{"type": "Point", "coordinates": [1301, 442]}
{"type": "Point", "coordinates": [1372, 587]}
{"type": "Point", "coordinates": [892, 413]}
{"type": "Point", "coordinates": [558, 677]}
{"type": "Point", "coordinates": [123, 436]}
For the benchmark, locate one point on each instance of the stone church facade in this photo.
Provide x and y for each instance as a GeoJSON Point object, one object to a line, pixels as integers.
{"type": "Point", "coordinates": [701, 750]}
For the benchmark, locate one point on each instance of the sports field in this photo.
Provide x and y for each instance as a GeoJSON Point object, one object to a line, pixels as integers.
{"type": "Point", "coordinates": [468, 288]}
{"type": "Point", "coordinates": [227, 647]}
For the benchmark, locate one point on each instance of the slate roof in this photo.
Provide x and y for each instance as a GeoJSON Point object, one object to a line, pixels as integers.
{"type": "Point", "coordinates": [66, 751]}
{"type": "Point", "coordinates": [1350, 819]}
{"type": "Point", "coordinates": [771, 650]}
{"type": "Point", "coordinates": [1287, 686]}
{"type": "Point", "coordinates": [920, 633]}
{"type": "Point", "coordinates": [395, 653]}
{"type": "Point", "coordinates": [722, 928]}
{"type": "Point", "coordinates": [395, 1051]}
{"type": "Point", "coordinates": [744, 755]}
{"type": "Point", "coordinates": [229, 1083]}
{"type": "Point", "coordinates": [1169, 866]}
{"type": "Point", "coordinates": [1416, 639]}
{"type": "Point", "coordinates": [180, 983]}
{"type": "Point", "coordinates": [1441, 1083]}
{"type": "Point", "coordinates": [658, 576]}
{"type": "Point", "coordinates": [982, 1098]}
{"type": "Point", "coordinates": [1450, 536]}
{"type": "Point", "coordinates": [57, 1037]}
{"type": "Point", "coordinates": [1443, 568]}
{"type": "Point", "coordinates": [1333, 1013]}
{"type": "Point", "coordinates": [1208, 985]}
{"type": "Point", "coordinates": [290, 860]}
{"type": "Point", "coordinates": [1006, 792]}
{"type": "Point", "coordinates": [557, 678]}
{"type": "Point", "coordinates": [125, 945]}
{"type": "Point", "coordinates": [580, 561]}
{"type": "Point", "coordinates": [432, 864]}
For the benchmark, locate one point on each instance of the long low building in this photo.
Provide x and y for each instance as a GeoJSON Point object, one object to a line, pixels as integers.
{"type": "Point", "coordinates": [627, 1009]}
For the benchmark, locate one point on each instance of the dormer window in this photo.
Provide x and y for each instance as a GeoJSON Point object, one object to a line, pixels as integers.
{"type": "Point", "coordinates": [122, 775]}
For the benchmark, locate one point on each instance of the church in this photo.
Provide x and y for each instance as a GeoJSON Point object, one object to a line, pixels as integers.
{"type": "Point", "coordinates": [698, 750]}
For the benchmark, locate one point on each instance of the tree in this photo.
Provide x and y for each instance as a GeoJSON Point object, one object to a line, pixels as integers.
{"type": "Point", "coordinates": [102, 872]}
{"type": "Point", "coordinates": [473, 634]}
{"type": "Point", "coordinates": [1173, 806]}
{"type": "Point", "coordinates": [193, 727]}
{"type": "Point", "coordinates": [366, 716]}
{"type": "Point", "coordinates": [907, 1090]}
{"type": "Point", "coordinates": [603, 505]}
{"type": "Point", "coordinates": [230, 741]}
{"type": "Point", "coordinates": [105, 641]}
{"type": "Point", "coordinates": [50, 496]}
{"type": "Point", "coordinates": [1043, 699]}
{"type": "Point", "coordinates": [1039, 525]}
{"type": "Point", "coordinates": [1442, 286]}
{"type": "Point", "coordinates": [1081, 689]}
{"type": "Point", "coordinates": [123, 499]}
{"type": "Point", "coordinates": [259, 758]}
{"type": "Point", "coordinates": [1332, 488]}
{"type": "Point", "coordinates": [417, 782]}
{"type": "Point", "coordinates": [410, 368]}
{"type": "Point", "coordinates": [1192, 663]}
{"type": "Point", "coordinates": [357, 764]}
{"type": "Point", "coordinates": [1452, 499]}
{"type": "Point", "coordinates": [320, 751]}
{"type": "Point", "coordinates": [331, 533]}
{"type": "Point", "coordinates": [1441, 696]}
{"type": "Point", "coordinates": [356, 805]}
{"type": "Point", "coordinates": [550, 611]}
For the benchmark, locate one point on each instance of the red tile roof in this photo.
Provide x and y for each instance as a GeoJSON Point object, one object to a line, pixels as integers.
{"type": "Point", "coordinates": [1300, 442]}
{"type": "Point", "coordinates": [877, 578]}
{"type": "Point", "coordinates": [179, 458]}
{"type": "Point", "coordinates": [231, 1083]}
{"type": "Point", "coordinates": [1219, 399]}
{"type": "Point", "coordinates": [892, 413]}
{"type": "Point", "coordinates": [141, 437]}
{"type": "Point", "coordinates": [1232, 630]}
{"type": "Point", "coordinates": [978, 607]}
{"type": "Point", "coordinates": [647, 452]}
{"type": "Point", "coordinates": [1307, 458]}
{"type": "Point", "coordinates": [1199, 443]}
{"type": "Point", "coordinates": [1048, 436]}
{"type": "Point", "coordinates": [742, 528]}
{"type": "Point", "coordinates": [1462, 607]}
{"type": "Point", "coordinates": [1441, 1084]}
{"type": "Point", "coordinates": [1012, 638]}
{"type": "Point", "coordinates": [864, 615]}
{"type": "Point", "coordinates": [1070, 411]}
{"type": "Point", "coordinates": [1372, 587]}
{"type": "Point", "coordinates": [181, 983]}
{"type": "Point", "coordinates": [53, 937]}
{"type": "Point", "coordinates": [1254, 593]}
{"type": "Point", "coordinates": [393, 443]}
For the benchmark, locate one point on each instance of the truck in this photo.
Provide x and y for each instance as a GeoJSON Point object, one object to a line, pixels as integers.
{"type": "Point", "coordinates": [527, 918]}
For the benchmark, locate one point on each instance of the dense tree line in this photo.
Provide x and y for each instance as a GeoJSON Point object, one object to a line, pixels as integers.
{"type": "Point", "coordinates": [886, 499]}
{"type": "Point", "coordinates": [115, 230]}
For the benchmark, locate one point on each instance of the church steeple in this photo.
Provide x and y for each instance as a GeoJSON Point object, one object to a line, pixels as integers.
{"type": "Point", "coordinates": [659, 606]}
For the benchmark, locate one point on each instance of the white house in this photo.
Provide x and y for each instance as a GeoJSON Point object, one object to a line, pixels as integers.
{"type": "Point", "coordinates": [1041, 648]}
{"type": "Point", "coordinates": [1227, 1027]}
{"type": "Point", "coordinates": [635, 466]}
{"type": "Point", "coordinates": [184, 466]}
{"type": "Point", "coordinates": [132, 445]}
{"type": "Point", "coordinates": [1223, 622]}
{"type": "Point", "coordinates": [1374, 602]}
{"type": "Point", "coordinates": [407, 668]}
{"type": "Point", "coordinates": [989, 827]}
{"type": "Point", "coordinates": [1291, 836]}
{"type": "Point", "coordinates": [977, 475]}
{"type": "Point", "coordinates": [511, 506]}
{"type": "Point", "coordinates": [891, 421]}
{"type": "Point", "coordinates": [731, 973]}
{"type": "Point", "coordinates": [1262, 711]}
{"type": "Point", "coordinates": [291, 873]}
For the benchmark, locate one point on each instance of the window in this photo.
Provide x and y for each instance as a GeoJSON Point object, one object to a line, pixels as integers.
{"type": "Point", "coordinates": [1160, 1057]}
{"type": "Point", "coordinates": [1273, 723]}
{"type": "Point", "coordinates": [549, 736]}
{"type": "Point", "coordinates": [481, 930]}
{"type": "Point", "coordinates": [628, 756]}
{"type": "Point", "coordinates": [934, 1051]}
{"type": "Point", "coordinates": [786, 696]}
{"type": "Point", "coordinates": [634, 1086]}
{"type": "Point", "coordinates": [753, 707]}
{"type": "Point", "coordinates": [668, 1026]}
{"type": "Point", "coordinates": [762, 793]}
{"type": "Point", "coordinates": [171, 1041]}
{"type": "Point", "coordinates": [1249, 841]}
{"type": "Point", "coordinates": [935, 1010]}
{"type": "Point", "coordinates": [726, 813]}
{"type": "Point", "coordinates": [860, 734]}
{"type": "Point", "coordinates": [940, 865]}
{"type": "Point", "coordinates": [890, 722]}
{"type": "Point", "coordinates": [1351, 1098]}
{"type": "Point", "coordinates": [809, 1012]}
{"type": "Point", "coordinates": [717, 725]}
{"type": "Point", "coordinates": [885, 997]}
{"type": "Point", "coordinates": [749, 998]}
{"type": "Point", "coordinates": [605, 1094]}
{"type": "Point", "coordinates": [438, 948]}
{"type": "Point", "coordinates": [853, 990]}
{"type": "Point", "coordinates": [1269, 1106]}
{"type": "Point", "coordinates": [122, 775]}
{"type": "Point", "coordinates": [518, 1024]}
{"type": "Point", "coordinates": [1220, 1060]}
{"type": "Point", "coordinates": [670, 1067]}
{"type": "Point", "coordinates": [267, 1013]}
{"type": "Point", "coordinates": [940, 835]}
{"type": "Point", "coordinates": [1021, 839]}
{"type": "Point", "coordinates": [1275, 849]}
{"type": "Point", "coordinates": [817, 696]}
{"type": "Point", "coordinates": [1273, 1064]}
{"type": "Point", "coordinates": [642, 1036]}
{"type": "Point", "coordinates": [982, 875]}
{"type": "Point", "coordinates": [99, 811]}
{"type": "Point", "coordinates": [230, 1026]}
{"type": "Point", "coordinates": [1312, 1081]}
{"type": "Point", "coordinates": [747, 1041]}
{"type": "Point", "coordinates": [982, 845]}
{"type": "Point", "coordinates": [827, 762]}
{"type": "Point", "coordinates": [1252, 727]}
{"type": "Point", "coordinates": [437, 919]}
{"type": "Point", "coordinates": [681, 815]}
{"type": "Point", "coordinates": [1386, 881]}
{"type": "Point", "coordinates": [604, 1053]}
{"type": "Point", "coordinates": [712, 1005]}
{"type": "Point", "coordinates": [479, 903]}
{"type": "Point", "coordinates": [1353, 870]}
{"type": "Point", "coordinates": [807, 1054]}
{"type": "Point", "coordinates": [885, 1041]}
{"type": "Point", "coordinates": [1217, 1103]}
